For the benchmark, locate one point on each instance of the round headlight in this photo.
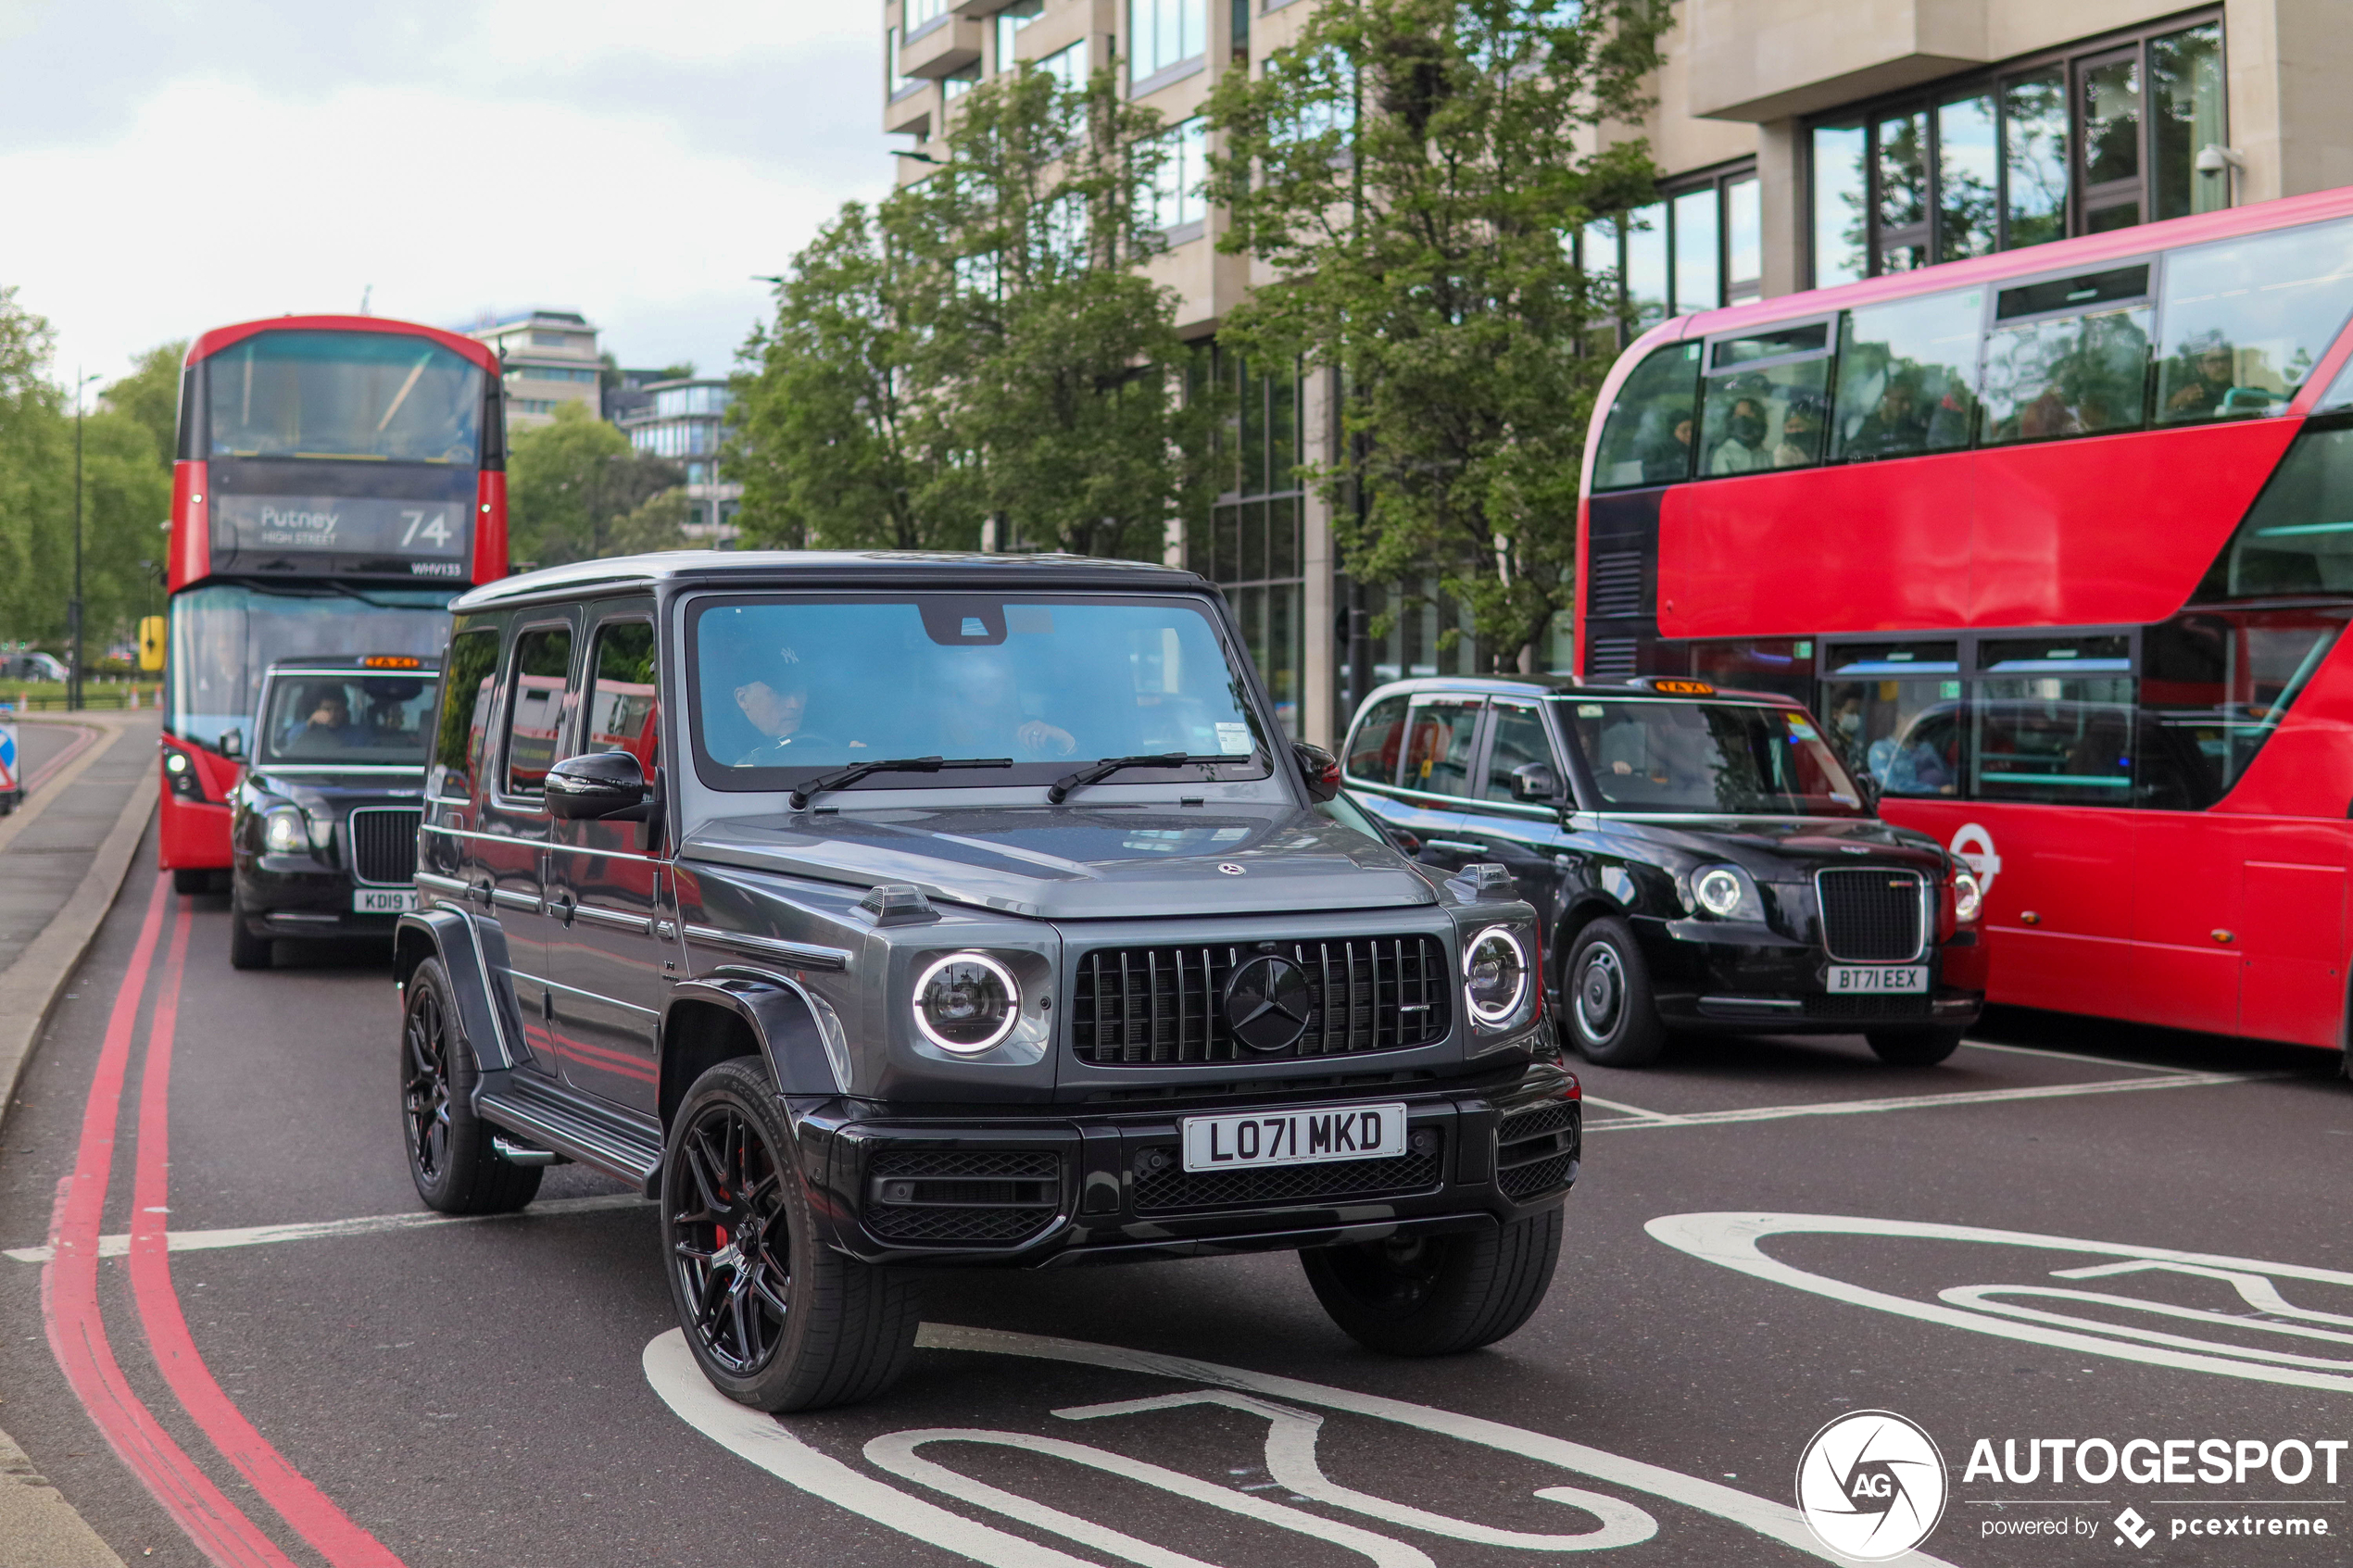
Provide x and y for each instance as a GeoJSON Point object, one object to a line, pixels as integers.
{"type": "Point", "coordinates": [966, 1003]}
{"type": "Point", "coordinates": [1494, 974]}
{"type": "Point", "coordinates": [1718, 891]}
{"type": "Point", "coordinates": [283, 832]}
{"type": "Point", "coordinates": [175, 761]}
{"type": "Point", "coordinates": [1968, 895]}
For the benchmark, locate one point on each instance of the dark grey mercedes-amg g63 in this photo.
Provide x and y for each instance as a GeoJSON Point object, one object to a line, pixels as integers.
{"type": "Point", "coordinates": [878, 913]}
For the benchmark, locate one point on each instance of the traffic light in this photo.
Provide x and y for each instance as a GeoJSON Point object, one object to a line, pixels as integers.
{"type": "Point", "coordinates": [151, 642]}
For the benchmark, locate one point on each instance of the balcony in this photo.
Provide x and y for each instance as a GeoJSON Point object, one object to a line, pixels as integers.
{"type": "Point", "coordinates": [1770, 60]}
{"type": "Point", "coordinates": [910, 110]}
{"type": "Point", "coordinates": [942, 46]}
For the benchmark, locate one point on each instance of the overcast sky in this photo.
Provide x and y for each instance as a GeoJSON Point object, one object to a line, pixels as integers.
{"type": "Point", "coordinates": [169, 167]}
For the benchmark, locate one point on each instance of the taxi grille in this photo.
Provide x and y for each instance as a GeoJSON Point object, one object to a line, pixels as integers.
{"type": "Point", "coordinates": [383, 845]}
{"type": "Point", "coordinates": [1536, 1150]}
{"type": "Point", "coordinates": [1173, 1186]}
{"type": "Point", "coordinates": [1142, 1007]}
{"type": "Point", "coordinates": [950, 1195]}
{"type": "Point", "coordinates": [1870, 914]}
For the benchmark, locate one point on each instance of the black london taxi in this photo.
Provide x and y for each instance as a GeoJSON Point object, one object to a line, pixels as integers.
{"type": "Point", "coordinates": [1699, 859]}
{"type": "Point", "coordinates": [322, 827]}
{"type": "Point", "coordinates": [884, 912]}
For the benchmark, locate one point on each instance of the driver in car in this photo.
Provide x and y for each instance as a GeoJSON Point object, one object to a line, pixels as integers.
{"type": "Point", "coordinates": [775, 707]}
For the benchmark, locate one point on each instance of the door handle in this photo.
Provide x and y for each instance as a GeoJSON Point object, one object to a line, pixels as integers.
{"type": "Point", "coordinates": [1458, 845]}
{"type": "Point", "coordinates": [480, 890]}
{"type": "Point", "coordinates": [562, 907]}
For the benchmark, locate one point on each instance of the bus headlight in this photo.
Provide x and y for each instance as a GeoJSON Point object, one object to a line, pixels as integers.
{"type": "Point", "coordinates": [966, 1003]}
{"type": "Point", "coordinates": [284, 832]}
{"type": "Point", "coordinates": [1496, 976]}
{"type": "Point", "coordinates": [1969, 897]}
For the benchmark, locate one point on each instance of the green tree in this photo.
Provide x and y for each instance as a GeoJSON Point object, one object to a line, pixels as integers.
{"type": "Point", "coordinates": [576, 485]}
{"type": "Point", "coordinates": [1409, 170]}
{"type": "Point", "coordinates": [149, 396]}
{"type": "Point", "coordinates": [36, 472]}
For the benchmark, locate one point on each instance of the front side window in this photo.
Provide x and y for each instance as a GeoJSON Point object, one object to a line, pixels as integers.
{"type": "Point", "coordinates": [1439, 733]}
{"type": "Point", "coordinates": [469, 675]}
{"type": "Point", "coordinates": [1373, 750]}
{"type": "Point", "coordinates": [1893, 711]}
{"type": "Point", "coordinates": [623, 704]}
{"type": "Point", "coordinates": [781, 690]}
{"type": "Point", "coordinates": [1708, 757]}
{"type": "Point", "coordinates": [369, 395]}
{"type": "Point", "coordinates": [1518, 740]}
{"type": "Point", "coordinates": [1647, 438]}
{"type": "Point", "coordinates": [1907, 376]}
{"type": "Point", "coordinates": [535, 706]}
{"type": "Point", "coordinates": [2247, 319]}
{"type": "Point", "coordinates": [2052, 721]}
{"type": "Point", "coordinates": [344, 720]}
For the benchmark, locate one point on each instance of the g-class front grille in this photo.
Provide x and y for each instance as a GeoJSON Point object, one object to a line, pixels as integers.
{"type": "Point", "coordinates": [1536, 1150]}
{"type": "Point", "coordinates": [1171, 1186]}
{"type": "Point", "coordinates": [962, 1196]}
{"type": "Point", "coordinates": [1870, 914]}
{"type": "Point", "coordinates": [1141, 1007]}
{"type": "Point", "coordinates": [383, 845]}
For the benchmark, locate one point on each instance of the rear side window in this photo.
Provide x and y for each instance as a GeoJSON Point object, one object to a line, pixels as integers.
{"type": "Point", "coordinates": [468, 681]}
{"type": "Point", "coordinates": [1647, 438]}
{"type": "Point", "coordinates": [1439, 733]}
{"type": "Point", "coordinates": [535, 706]}
{"type": "Point", "coordinates": [1373, 751]}
{"type": "Point", "coordinates": [2247, 319]}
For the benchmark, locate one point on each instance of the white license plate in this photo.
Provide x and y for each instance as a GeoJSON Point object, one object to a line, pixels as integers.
{"type": "Point", "coordinates": [1903, 979]}
{"type": "Point", "coordinates": [383, 901]}
{"type": "Point", "coordinates": [1294, 1137]}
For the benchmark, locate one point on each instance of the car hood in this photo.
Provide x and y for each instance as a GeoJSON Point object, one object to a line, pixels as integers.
{"type": "Point", "coordinates": [321, 792]}
{"type": "Point", "coordinates": [1791, 850]}
{"type": "Point", "coordinates": [1064, 863]}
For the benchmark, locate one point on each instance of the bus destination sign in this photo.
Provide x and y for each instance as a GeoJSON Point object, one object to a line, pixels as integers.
{"type": "Point", "coordinates": [323, 533]}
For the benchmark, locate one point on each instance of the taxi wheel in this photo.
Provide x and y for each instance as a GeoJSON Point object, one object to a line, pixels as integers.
{"type": "Point", "coordinates": [1914, 1048]}
{"type": "Point", "coordinates": [776, 1319]}
{"type": "Point", "coordinates": [246, 950]}
{"type": "Point", "coordinates": [451, 1158]}
{"type": "Point", "coordinates": [1437, 1295]}
{"type": "Point", "coordinates": [1605, 991]}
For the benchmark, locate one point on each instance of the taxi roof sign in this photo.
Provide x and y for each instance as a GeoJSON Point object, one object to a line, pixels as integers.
{"type": "Point", "coordinates": [1669, 686]}
{"type": "Point", "coordinates": [392, 661]}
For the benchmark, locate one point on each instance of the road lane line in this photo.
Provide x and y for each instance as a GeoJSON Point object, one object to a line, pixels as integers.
{"type": "Point", "coordinates": [118, 1245]}
{"type": "Point", "coordinates": [1924, 1102]}
{"type": "Point", "coordinates": [1628, 1109]}
{"type": "Point", "coordinates": [69, 1302]}
{"type": "Point", "coordinates": [2073, 1056]}
{"type": "Point", "coordinates": [298, 1500]}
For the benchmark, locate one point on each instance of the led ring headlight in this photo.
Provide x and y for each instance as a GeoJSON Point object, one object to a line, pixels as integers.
{"type": "Point", "coordinates": [1494, 975]}
{"type": "Point", "coordinates": [966, 1003]}
{"type": "Point", "coordinates": [1718, 891]}
{"type": "Point", "coordinates": [1968, 895]}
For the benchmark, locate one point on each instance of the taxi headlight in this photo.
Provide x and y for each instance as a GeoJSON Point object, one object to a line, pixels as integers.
{"type": "Point", "coordinates": [1495, 977]}
{"type": "Point", "coordinates": [284, 832]}
{"type": "Point", "coordinates": [966, 1003]}
{"type": "Point", "coordinates": [1719, 890]}
{"type": "Point", "coordinates": [1969, 897]}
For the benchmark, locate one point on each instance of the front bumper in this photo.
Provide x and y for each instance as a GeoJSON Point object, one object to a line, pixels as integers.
{"type": "Point", "coordinates": [1724, 977]}
{"type": "Point", "coordinates": [1032, 1192]}
{"type": "Point", "coordinates": [295, 896]}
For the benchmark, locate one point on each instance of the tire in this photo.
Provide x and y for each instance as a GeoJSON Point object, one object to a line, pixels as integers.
{"type": "Point", "coordinates": [1914, 1048]}
{"type": "Point", "coordinates": [1438, 1294]}
{"type": "Point", "coordinates": [190, 882]}
{"type": "Point", "coordinates": [450, 1155]}
{"type": "Point", "coordinates": [1605, 992]}
{"type": "Point", "coordinates": [778, 1322]}
{"type": "Point", "coordinates": [246, 950]}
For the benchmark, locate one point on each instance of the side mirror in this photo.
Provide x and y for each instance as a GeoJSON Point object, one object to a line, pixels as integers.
{"type": "Point", "coordinates": [1868, 786]}
{"type": "Point", "coordinates": [1321, 768]}
{"type": "Point", "coordinates": [1535, 781]}
{"type": "Point", "coordinates": [597, 785]}
{"type": "Point", "coordinates": [232, 743]}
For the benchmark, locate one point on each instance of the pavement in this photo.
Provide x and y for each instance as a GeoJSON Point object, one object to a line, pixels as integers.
{"type": "Point", "coordinates": [2072, 1231]}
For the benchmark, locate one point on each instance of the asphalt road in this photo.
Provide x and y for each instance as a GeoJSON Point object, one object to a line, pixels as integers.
{"type": "Point", "coordinates": [501, 1391]}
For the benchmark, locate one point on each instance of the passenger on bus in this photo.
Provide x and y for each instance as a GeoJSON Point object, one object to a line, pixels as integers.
{"type": "Point", "coordinates": [1665, 452]}
{"type": "Point", "coordinates": [1893, 426]}
{"type": "Point", "coordinates": [2213, 376]}
{"type": "Point", "coordinates": [1743, 449]}
{"type": "Point", "coordinates": [1800, 442]}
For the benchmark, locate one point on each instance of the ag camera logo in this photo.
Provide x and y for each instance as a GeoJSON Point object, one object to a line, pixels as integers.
{"type": "Point", "coordinates": [1871, 1485]}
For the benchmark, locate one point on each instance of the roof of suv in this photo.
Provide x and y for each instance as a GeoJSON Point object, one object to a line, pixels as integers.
{"type": "Point", "coordinates": [792, 568]}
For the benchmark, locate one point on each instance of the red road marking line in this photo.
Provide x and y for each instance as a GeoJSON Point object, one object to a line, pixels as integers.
{"type": "Point", "coordinates": [70, 1303]}
{"type": "Point", "coordinates": [311, 1512]}
{"type": "Point", "coordinates": [49, 769]}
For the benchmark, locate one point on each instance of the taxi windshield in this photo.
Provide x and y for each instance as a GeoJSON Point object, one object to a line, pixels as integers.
{"type": "Point", "coordinates": [784, 689]}
{"type": "Point", "coordinates": [1749, 759]}
{"type": "Point", "coordinates": [341, 720]}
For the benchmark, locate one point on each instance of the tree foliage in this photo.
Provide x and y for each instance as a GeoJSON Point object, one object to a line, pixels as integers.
{"type": "Point", "coordinates": [577, 490]}
{"type": "Point", "coordinates": [1409, 170]}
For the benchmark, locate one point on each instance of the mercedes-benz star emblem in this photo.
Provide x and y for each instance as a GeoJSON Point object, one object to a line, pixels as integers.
{"type": "Point", "coordinates": [1229, 867]}
{"type": "Point", "coordinates": [1267, 1003]}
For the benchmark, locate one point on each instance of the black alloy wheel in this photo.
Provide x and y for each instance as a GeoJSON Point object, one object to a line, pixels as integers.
{"type": "Point", "coordinates": [731, 1239]}
{"type": "Point", "coordinates": [451, 1158]}
{"type": "Point", "coordinates": [425, 1089]}
{"type": "Point", "coordinates": [1438, 1294]}
{"type": "Point", "coordinates": [1606, 990]}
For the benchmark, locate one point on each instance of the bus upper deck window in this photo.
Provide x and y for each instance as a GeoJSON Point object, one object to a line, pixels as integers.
{"type": "Point", "coordinates": [1647, 438]}
{"type": "Point", "coordinates": [2069, 356]}
{"type": "Point", "coordinates": [2247, 319]}
{"type": "Point", "coordinates": [1907, 376]}
{"type": "Point", "coordinates": [1767, 400]}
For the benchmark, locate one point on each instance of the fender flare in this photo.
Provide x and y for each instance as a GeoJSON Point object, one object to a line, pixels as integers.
{"type": "Point", "coordinates": [784, 1020]}
{"type": "Point", "coordinates": [450, 935]}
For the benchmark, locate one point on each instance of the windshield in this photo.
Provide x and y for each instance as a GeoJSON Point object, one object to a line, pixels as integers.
{"type": "Point", "coordinates": [326, 721]}
{"type": "Point", "coordinates": [224, 636]}
{"type": "Point", "coordinates": [1708, 757]}
{"type": "Point", "coordinates": [379, 395]}
{"type": "Point", "coordinates": [788, 688]}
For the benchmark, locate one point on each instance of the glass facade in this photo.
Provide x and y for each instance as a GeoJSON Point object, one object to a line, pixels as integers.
{"type": "Point", "coordinates": [1252, 543]}
{"type": "Point", "coordinates": [1694, 249]}
{"type": "Point", "coordinates": [1163, 35]}
{"type": "Point", "coordinates": [1178, 197]}
{"type": "Point", "coordinates": [2101, 137]}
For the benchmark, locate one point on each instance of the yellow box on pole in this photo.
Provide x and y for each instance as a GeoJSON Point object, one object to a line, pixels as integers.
{"type": "Point", "coordinates": [151, 642]}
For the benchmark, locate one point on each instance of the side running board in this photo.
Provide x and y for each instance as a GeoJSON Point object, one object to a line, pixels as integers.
{"type": "Point", "coordinates": [629, 1153]}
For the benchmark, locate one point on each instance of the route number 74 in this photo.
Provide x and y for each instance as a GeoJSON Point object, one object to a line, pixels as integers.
{"type": "Point", "coordinates": [435, 532]}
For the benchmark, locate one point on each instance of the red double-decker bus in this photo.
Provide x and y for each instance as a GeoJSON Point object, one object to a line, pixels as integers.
{"type": "Point", "coordinates": [340, 479]}
{"type": "Point", "coordinates": [2060, 542]}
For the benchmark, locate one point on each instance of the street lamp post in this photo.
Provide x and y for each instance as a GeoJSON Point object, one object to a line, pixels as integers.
{"type": "Point", "coordinates": [73, 609]}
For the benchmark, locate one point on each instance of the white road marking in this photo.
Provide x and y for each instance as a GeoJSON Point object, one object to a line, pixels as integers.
{"type": "Point", "coordinates": [316, 1230]}
{"type": "Point", "coordinates": [1733, 1240]}
{"type": "Point", "coordinates": [2070, 1056]}
{"type": "Point", "coordinates": [670, 1370]}
{"type": "Point", "coordinates": [1924, 1102]}
{"type": "Point", "coordinates": [1628, 1109]}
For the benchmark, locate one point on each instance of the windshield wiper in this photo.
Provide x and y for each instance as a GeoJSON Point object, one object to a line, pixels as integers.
{"type": "Point", "coordinates": [1060, 789]}
{"type": "Point", "coordinates": [842, 777]}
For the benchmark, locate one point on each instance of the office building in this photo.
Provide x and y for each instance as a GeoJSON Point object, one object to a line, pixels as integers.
{"type": "Point", "coordinates": [550, 358]}
{"type": "Point", "coordinates": [684, 420]}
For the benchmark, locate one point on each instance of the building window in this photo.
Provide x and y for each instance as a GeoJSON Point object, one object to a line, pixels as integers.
{"type": "Point", "coordinates": [552, 340]}
{"type": "Point", "coordinates": [2092, 139]}
{"type": "Point", "coordinates": [1067, 66]}
{"type": "Point", "coordinates": [923, 13]}
{"type": "Point", "coordinates": [1176, 187]}
{"type": "Point", "coordinates": [1010, 21]}
{"type": "Point", "coordinates": [1251, 543]}
{"type": "Point", "coordinates": [1163, 35]}
{"type": "Point", "coordinates": [1700, 246]}
{"type": "Point", "coordinates": [531, 405]}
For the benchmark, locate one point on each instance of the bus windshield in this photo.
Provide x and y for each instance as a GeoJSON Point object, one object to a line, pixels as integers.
{"type": "Point", "coordinates": [225, 635]}
{"type": "Point", "coordinates": [1644, 755]}
{"type": "Point", "coordinates": [330, 721]}
{"type": "Point", "coordinates": [381, 397]}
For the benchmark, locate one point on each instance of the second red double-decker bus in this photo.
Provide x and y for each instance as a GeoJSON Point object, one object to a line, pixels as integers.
{"type": "Point", "coordinates": [340, 479]}
{"type": "Point", "coordinates": [2060, 542]}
